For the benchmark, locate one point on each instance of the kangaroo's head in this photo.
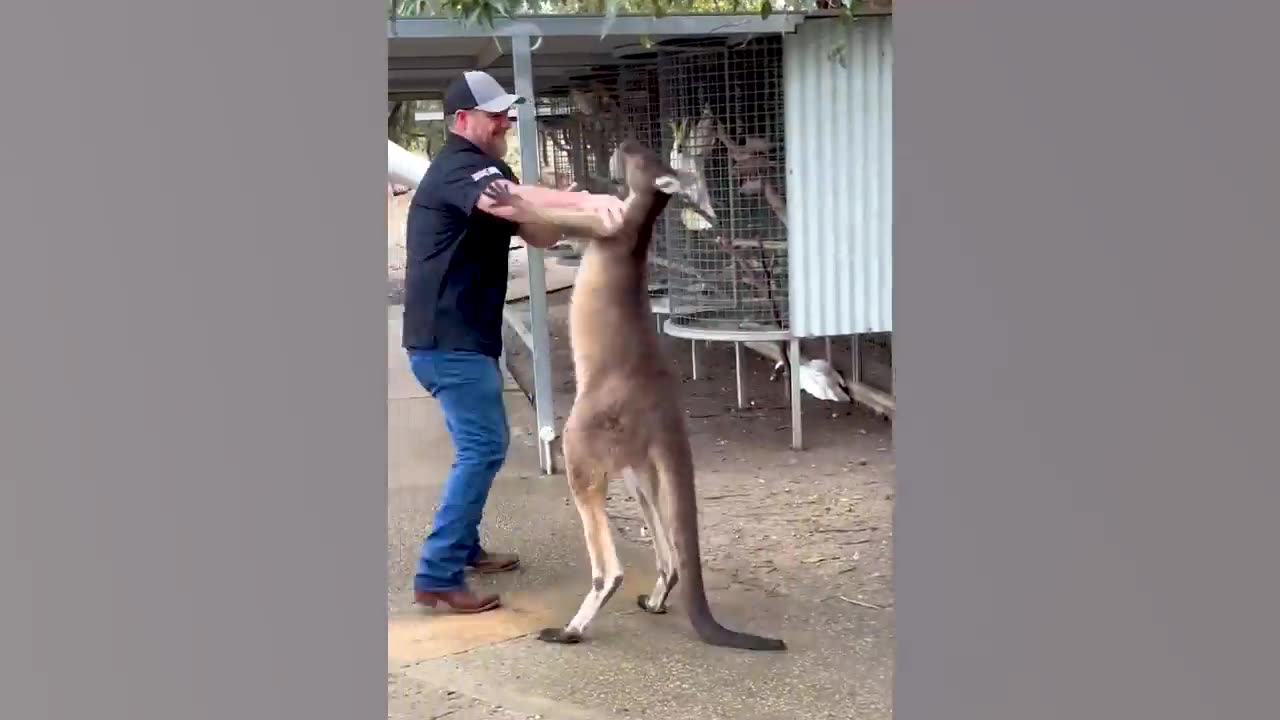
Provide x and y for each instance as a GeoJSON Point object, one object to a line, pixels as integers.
{"type": "Point", "coordinates": [650, 185]}
{"type": "Point", "coordinates": [647, 176]}
{"type": "Point", "coordinates": [655, 181]}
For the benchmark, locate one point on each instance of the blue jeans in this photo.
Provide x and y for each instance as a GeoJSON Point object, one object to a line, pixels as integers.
{"type": "Point", "coordinates": [469, 388]}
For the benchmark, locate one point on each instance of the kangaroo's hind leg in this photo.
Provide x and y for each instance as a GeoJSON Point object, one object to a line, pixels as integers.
{"type": "Point", "coordinates": [588, 482]}
{"type": "Point", "coordinates": [642, 484]}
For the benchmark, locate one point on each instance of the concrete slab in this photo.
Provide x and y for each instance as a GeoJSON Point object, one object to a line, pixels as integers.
{"type": "Point", "coordinates": [639, 666]}
{"type": "Point", "coordinates": [401, 384]}
{"type": "Point", "coordinates": [527, 513]}
{"type": "Point", "coordinates": [413, 636]}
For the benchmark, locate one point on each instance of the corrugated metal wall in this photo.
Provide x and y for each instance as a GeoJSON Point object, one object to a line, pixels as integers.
{"type": "Point", "coordinates": [839, 129]}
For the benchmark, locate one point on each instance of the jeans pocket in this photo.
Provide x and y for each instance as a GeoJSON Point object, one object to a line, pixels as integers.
{"type": "Point", "coordinates": [422, 365]}
{"type": "Point", "coordinates": [474, 371]}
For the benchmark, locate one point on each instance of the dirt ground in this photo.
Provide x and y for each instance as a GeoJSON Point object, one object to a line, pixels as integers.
{"type": "Point", "coordinates": [816, 521]}
{"type": "Point", "coordinates": [411, 700]}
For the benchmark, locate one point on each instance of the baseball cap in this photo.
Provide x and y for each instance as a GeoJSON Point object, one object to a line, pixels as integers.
{"type": "Point", "coordinates": [477, 90]}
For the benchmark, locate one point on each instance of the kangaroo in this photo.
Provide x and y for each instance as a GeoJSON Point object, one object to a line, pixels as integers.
{"type": "Point", "coordinates": [626, 417]}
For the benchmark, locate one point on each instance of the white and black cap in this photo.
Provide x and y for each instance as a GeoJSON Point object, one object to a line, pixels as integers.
{"type": "Point", "coordinates": [477, 90]}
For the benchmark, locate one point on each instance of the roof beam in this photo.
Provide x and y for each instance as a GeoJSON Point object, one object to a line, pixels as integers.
{"type": "Point", "coordinates": [424, 62]}
{"type": "Point", "coordinates": [454, 62]}
{"type": "Point", "coordinates": [592, 26]}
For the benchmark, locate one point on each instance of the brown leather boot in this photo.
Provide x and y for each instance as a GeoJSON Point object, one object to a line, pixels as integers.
{"type": "Point", "coordinates": [459, 601]}
{"type": "Point", "coordinates": [487, 562]}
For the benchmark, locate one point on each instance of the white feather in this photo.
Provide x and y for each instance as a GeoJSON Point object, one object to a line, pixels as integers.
{"type": "Point", "coordinates": [820, 380]}
{"type": "Point", "coordinates": [684, 158]}
{"type": "Point", "coordinates": [768, 349]}
{"type": "Point", "coordinates": [817, 377]}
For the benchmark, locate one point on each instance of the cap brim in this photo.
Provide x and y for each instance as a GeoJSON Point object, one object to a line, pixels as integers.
{"type": "Point", "coordinates": [499, 104]}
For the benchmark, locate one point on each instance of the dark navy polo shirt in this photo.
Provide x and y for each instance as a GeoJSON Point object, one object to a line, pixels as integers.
{"type": "Point", "coordinates": [456, 271]}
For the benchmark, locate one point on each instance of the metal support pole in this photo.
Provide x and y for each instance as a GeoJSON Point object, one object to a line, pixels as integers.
{"type": "Point", "coordinates": [502, 367]}
{"type": "Point", "coordinates": [855, 359]}
{"type": "Point", "coordinates": [797, 437]}
{"type": "Point", "coordinates": [527, 131]}
{"type": "Point", "coordinates": [737, 372]}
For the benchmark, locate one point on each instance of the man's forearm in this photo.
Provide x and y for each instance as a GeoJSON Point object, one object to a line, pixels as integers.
{"type": "Point", "coordinates": [547, 197]}
{"type": "Point", "coordinates": [540, 236]}
{"type": "Point", "coordinates": [589, 213]}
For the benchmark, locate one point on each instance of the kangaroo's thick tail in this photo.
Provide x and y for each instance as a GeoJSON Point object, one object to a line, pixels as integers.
{"type": "Point", "coordinates": [675, 463]}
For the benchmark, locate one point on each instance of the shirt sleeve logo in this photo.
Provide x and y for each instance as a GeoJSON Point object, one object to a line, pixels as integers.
{"type": "Point", "coordinates": [482, 174]}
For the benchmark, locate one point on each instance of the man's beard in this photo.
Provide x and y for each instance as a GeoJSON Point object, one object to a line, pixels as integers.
{"type": "Point", "coordinates": [498, 145]}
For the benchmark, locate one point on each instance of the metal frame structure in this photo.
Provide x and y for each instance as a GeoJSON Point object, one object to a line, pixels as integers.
{"type": "Point", "coordinates": [592, 26]}
{"type": "Point", "coordinates": [425, 53]}
{"type": "Point", "coordinates": [724, 105]}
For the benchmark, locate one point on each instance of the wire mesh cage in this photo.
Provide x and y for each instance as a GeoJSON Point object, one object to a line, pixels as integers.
{"type": "Point", "coordinates": [725, 248]}
{"type": "Point", "coordinates": [582, 122]}
{"type": "Point", "coordinates": [554, 140]}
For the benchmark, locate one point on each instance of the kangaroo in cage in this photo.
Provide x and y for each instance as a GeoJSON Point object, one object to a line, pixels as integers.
{"type": "Point", "coordinates": [627, 417]}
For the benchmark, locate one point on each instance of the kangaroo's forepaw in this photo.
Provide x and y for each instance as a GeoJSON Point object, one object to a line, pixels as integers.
{"type": "Point", "coordinates": [560, 636]}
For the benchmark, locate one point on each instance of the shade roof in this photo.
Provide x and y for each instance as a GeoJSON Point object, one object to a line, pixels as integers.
{"type": "Point", "coordinates": [425, 53]}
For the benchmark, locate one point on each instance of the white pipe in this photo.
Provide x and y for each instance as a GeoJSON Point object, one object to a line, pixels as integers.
{"type": "Point", "coordinates": [405, 167]}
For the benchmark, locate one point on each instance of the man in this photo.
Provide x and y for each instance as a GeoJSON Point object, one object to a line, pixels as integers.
{"type": "Point", "coordinates": [455, 289]}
